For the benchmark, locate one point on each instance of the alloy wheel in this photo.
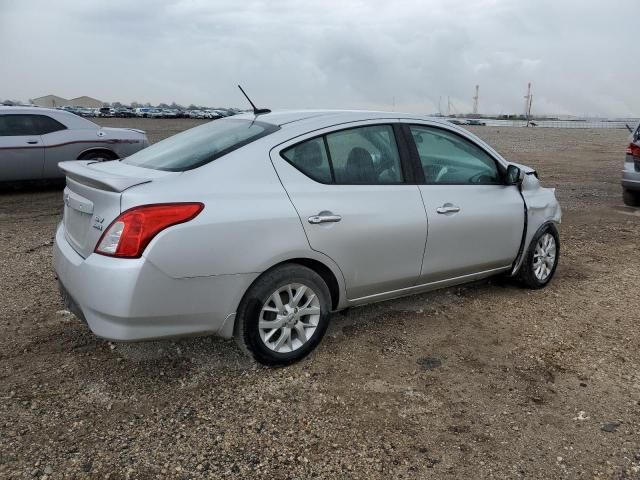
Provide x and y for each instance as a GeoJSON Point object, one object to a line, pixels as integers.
{"type": "Point", "coordinates": [544, 257]}
{"type": "Point", "coordinates": [289, 318]}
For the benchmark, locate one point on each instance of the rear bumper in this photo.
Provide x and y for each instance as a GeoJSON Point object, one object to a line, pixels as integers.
{"type": "Point", "coordinates": [131, 299]}
{"type": "Point", "coordinates": [630, 177]}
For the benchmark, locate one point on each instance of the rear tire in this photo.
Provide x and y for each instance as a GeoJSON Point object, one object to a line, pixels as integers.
{"type": "Point", "coordinates": [283, 316]}
{"type": "Point", "coordinates": [631, 198]}
{"type": "Point", "coordinates": [541, 259]}
{"type": "Point", "coordinates": [99, 156]}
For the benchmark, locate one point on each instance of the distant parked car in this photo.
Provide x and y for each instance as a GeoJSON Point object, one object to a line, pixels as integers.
{"type": "Point", "coordinates": [476, 123]}
{"type": "Point", "coordinates": [631, 171]}
{"type": "Point", "coordinates": [142, 112]}
{"type": "Point", "coordinates": [457, 122]}
{"type": "Point", "coordinates": [34, 140]}
{"type": "Point", "coordinates": [124, 112]}
{"type": "Point", "coordinates": [260, 226]}
{"type": "Point", "coordinates": [197, 114]}
{"type": "Point", "coordinates": [169, 113]}
{"type": "Point", "coordinates": [107, 112]}
{"type": "Point", "coordinates": [212, 114]}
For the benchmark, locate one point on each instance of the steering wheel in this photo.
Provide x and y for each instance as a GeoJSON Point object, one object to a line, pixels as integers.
{"type": "Point", "coordinates": [441, 173]}
{"type": "Point", "coordinates": [479, 178]}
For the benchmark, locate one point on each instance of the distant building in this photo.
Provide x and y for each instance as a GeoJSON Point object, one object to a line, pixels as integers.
{"type": "Point", "coordinates": [86, 102]}
{"type": "Point", "coordinates": [53, 101]}
{"type": "Point", "coordinates": [50, 101]}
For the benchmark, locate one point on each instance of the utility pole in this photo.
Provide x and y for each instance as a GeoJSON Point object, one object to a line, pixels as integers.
{"type": "Point", "coordinates": [475, 100]}
{"type": "Point", "coordinates": [448, 106]}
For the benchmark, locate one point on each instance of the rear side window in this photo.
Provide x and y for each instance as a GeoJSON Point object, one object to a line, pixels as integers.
{"type": "Point", "coordinates": [198, 146]}
{"type": "Point", "coordinates": [21, 125]}
{"type": "Point", "coordinates": [311, 159]}
{"type": "Point", "coordinates": [356, 156]}
{"type": "Point", "coordinates": [365, 155]}
{"type": "Point", "coordinates": [49, 125]}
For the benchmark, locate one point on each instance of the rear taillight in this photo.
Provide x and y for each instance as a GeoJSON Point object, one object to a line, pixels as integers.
{"type": "Point", "coordinates": [130, 233]}
{"type": "Point", "coordinates": [633, 150]}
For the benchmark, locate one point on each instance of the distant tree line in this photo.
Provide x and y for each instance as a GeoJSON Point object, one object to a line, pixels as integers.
{"type": "Point", "coordinates": [173, 105]}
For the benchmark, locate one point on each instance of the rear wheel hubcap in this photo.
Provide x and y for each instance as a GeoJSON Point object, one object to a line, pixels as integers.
{"type": "Point", "coordinates": [289, 318]}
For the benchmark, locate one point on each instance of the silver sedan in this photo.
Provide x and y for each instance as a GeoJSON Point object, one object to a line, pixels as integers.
{"type": "Point", "coordinates": [34, 140]}
{"type": "Point", "coordinates": [631, 171]}
{"type": "Point", "coordinates": [258, 227]}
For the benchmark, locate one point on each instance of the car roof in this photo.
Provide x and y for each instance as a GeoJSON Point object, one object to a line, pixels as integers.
{"type": "Point", "coordinates": [322, 118]}
{"type": "Point", "coordinates": [300, 122]}
{"type": "Point", "coordinates": [26, 109]}
{"type": "Point", "coordinates": [70, 120]}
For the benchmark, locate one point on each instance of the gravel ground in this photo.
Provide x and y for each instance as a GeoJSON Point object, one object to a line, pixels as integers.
{"type": "Point", "coordinates": [484, 381]}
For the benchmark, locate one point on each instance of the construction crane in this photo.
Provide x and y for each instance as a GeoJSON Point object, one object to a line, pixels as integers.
{"type": "Point", "coordinates": [475, 100]}
{"type": "Point", "coordinates": [528, 100]}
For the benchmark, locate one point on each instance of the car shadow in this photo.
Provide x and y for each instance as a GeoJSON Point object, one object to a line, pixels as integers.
{"type": "Point", "coordinates": [9, 188]}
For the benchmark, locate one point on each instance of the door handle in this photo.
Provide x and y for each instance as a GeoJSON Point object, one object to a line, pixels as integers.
{"type": "Point", "coordinates": [448, 208]}
{"type": "Point", "coordinates": [32, 141]}
{"type": "Point", "coordinates": [324, 217]}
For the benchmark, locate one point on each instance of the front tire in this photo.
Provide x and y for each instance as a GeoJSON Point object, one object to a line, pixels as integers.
{"type": "Point", "coordinates": [631, 198]}
{"type": "Point", "coordinates": [541, 259]}
{"type": "Point", "coordinates": [284, 315]}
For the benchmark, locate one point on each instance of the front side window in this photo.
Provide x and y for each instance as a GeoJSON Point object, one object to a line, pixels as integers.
{"type": "Point", "coordinates": [24, 125]}
{"type": "Point", "coordinates": [356, 156]}
{"type": "Point", "coordinates": [447, 158]}
{"type": "Point", "coordinates": [19, 125]}
{"type": "Point", "coordinates": [200, 145]}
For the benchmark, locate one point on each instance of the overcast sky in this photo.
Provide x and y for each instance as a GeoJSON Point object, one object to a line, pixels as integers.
{"type": "Point", "coordinates": [402, 55]}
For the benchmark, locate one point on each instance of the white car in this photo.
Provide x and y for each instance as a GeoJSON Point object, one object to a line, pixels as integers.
{"type": "Point", "coordinates": [34, 140]}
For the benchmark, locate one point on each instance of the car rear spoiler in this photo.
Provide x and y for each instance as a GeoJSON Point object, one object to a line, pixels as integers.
{"type": "Point", "coordinates": [85, 172]}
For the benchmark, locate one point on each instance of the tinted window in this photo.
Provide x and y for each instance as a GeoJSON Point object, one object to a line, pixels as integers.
{"type": "Point", "coordinates": [310, 158]}
{"type": "Point", "coordinates": [22, 125]}
{"type": "Point", "coordinates": [200, 145]}
{"type": "Point", "coordinates": [447, 158]}
{"type": "Point", "coordinates": [365, 155]}
{"type": "Point", "coordinates": [49, 125]}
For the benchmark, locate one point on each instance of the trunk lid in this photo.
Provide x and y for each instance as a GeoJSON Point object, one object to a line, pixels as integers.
{"type": "Point", "coordinates": [92, 198]}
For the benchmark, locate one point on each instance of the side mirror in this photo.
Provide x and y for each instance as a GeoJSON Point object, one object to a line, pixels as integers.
{"type": "Point", "coordinates": [514, 175]}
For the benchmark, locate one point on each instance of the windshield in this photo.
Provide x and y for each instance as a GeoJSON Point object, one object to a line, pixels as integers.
{"type": "Point", "coordinates": [200, 145]}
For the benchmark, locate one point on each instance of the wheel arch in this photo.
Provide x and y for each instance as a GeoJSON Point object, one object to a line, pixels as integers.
{"type": "Point", "coordinates": [330, 274]}
{"type": "Point", "coordinates": [518, 264]}
{"type": "Point", "coordinates": [108, 151]}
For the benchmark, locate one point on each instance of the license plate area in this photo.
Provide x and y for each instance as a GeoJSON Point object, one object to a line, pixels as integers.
{"type": "Point", "coordinates": [76, 225]}
{"type": "Point", "coordinates": [78, 212]}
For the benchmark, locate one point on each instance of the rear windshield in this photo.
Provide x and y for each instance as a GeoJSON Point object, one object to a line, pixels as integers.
{"type": "Point", "coordinates": [200, 145]}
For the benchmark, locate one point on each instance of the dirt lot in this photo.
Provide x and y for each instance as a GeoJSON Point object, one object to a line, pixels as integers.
{"type": "Point", "coordinates": [517, 383]}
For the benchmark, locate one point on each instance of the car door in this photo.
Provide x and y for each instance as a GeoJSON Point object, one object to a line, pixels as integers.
{"type": "Point", "coordinates": [59, 145]}
{"type": "Point", "coordinates": [21, 149]}
{"type": "Point", "coordinates": [351, 192]}
{"type": "Point", "coordinates": [476, 221]}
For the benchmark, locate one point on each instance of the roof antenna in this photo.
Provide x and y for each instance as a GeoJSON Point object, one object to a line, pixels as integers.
{"type": "Point", "coordinates": [256, 110]}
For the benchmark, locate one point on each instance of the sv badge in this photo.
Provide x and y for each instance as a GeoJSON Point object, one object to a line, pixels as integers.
{"type": "Point", "coordinates": [98, 223]}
